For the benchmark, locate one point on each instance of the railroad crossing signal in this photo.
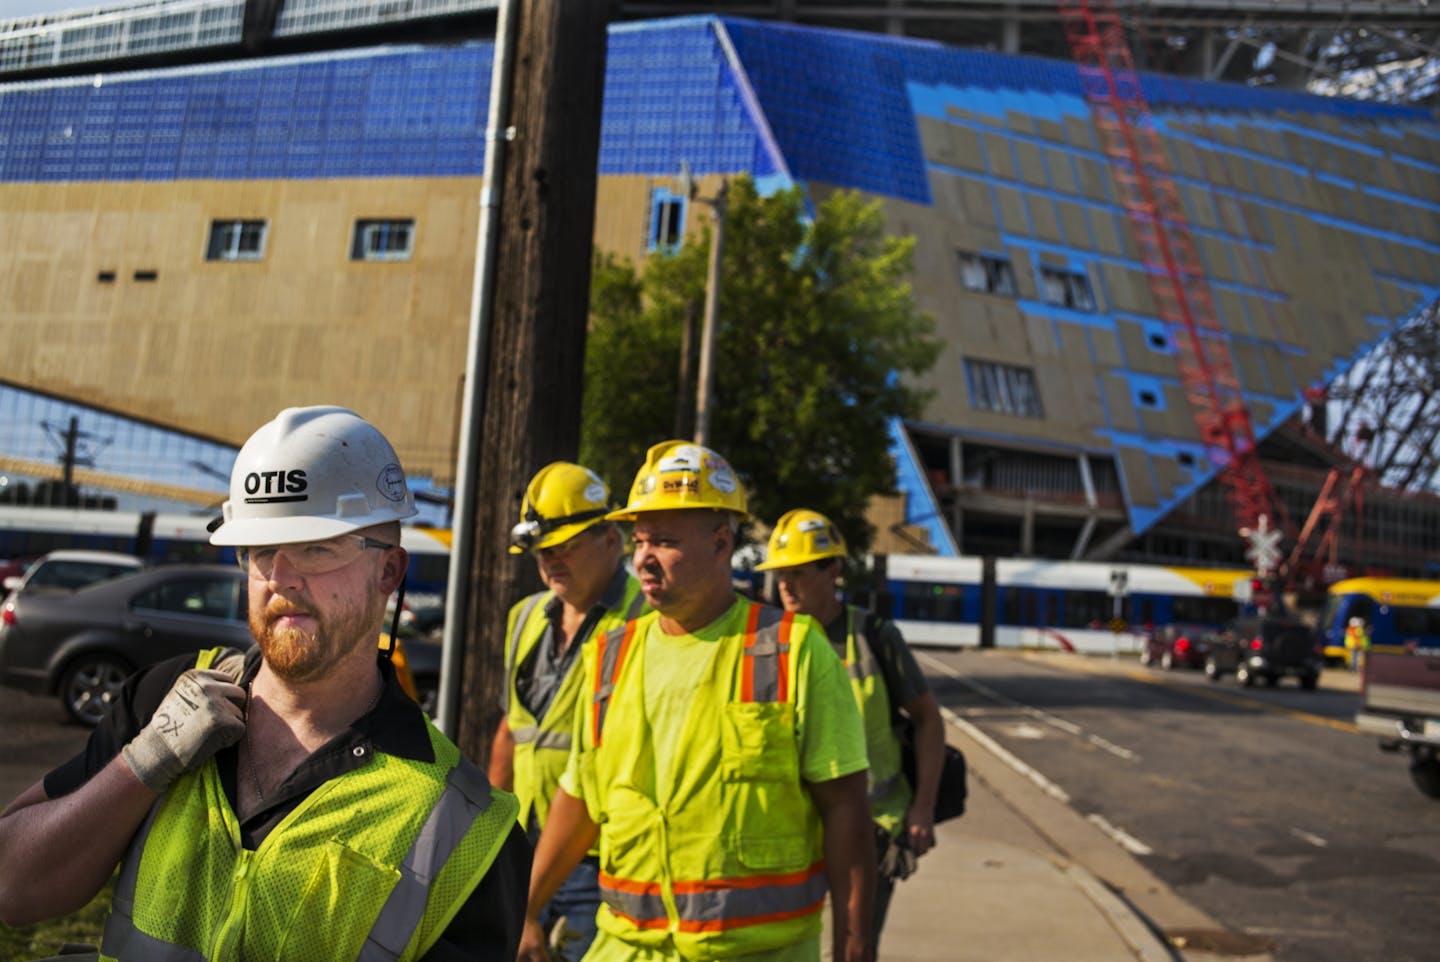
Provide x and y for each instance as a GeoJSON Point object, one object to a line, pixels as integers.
{"type": "Point", "coordinates": [1264, 548]}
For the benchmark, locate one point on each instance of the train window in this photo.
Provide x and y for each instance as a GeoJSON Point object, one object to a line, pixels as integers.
{"type": "Point", "coordinates": [1010, 607]}
{"type": "Point", "coordinates": [1416, 622]}
{"type": "Point", "coordinates": [931, 602]}
{"type": "Point", "coordinates": [1085, 609]}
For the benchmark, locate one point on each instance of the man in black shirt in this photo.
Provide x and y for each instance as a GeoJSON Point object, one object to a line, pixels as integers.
{"type": "Point", "coordinates": [290, 801]}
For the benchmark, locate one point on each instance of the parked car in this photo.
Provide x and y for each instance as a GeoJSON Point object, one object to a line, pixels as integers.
{"type": "Point", "coordinates": [1266, 649]}
{"type": "Point", "coordinates": [69, 570]}
{"type": "Point", "coordinates": [82, 645]}
{"type": "Point", "coordinates": [1177, 646]}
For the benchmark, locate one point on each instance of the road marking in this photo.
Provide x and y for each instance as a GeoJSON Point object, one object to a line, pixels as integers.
{"type": "Point", "coordinates": [1126, 841]}
{"type": "Point", "coordinates": [1068, 727]}
{"type": "Point", "coordinates": [1310, 837]}
{"type": "Point", "coordinates": [1023, 730]}
{"type": "Point", "coordinates": [999, 751]}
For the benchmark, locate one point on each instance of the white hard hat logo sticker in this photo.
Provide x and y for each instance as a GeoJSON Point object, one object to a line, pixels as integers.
{"type": "Point", "coordinates": [722, 480]}
{"type": "Point", "coordinates": [391, 482]}
{"type": "Point", "coordinates": [275, 487]}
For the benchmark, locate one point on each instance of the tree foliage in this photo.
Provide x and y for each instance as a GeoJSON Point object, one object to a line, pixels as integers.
{"type": "Point", "coordinates": [816, 330]}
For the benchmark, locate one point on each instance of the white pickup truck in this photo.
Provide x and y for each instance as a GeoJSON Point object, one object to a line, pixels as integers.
{"type": "Point", "coordinates": [1401, 706]}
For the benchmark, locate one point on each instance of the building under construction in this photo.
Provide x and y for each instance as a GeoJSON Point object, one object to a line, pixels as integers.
{"type": "Point", "coordinates": [1168, 304]}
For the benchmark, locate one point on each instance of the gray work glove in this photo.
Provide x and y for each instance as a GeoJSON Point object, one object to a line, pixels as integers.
{"type": "Point", "coordinates": [896, 860]}
{"type": "Point", "coordinates": [203, 713]}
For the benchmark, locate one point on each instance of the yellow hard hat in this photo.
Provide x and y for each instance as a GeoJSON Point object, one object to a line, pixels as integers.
{"type": "Point", "coordinates": [562, 500]}
{"type": "Point", "coordinates": [680, 474]}
{"type": "Point", "coordinates": [802, 536]}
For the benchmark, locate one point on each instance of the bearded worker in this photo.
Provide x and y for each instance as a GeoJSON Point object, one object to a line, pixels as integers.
{"type": "Point", "coordinates": [289, 801]}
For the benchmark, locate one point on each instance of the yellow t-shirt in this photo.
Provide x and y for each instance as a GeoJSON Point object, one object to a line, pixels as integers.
{"type": "Point", "coordinates": [832, 737]}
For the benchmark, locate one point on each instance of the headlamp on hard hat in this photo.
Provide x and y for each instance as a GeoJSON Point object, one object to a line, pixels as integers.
{"type": "Point", "coordinates": [528, 533]}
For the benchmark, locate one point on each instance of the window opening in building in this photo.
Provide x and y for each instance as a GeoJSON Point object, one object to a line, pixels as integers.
{"type": "Point", "coordinates": [1003, 388]}
{"type": "Point", "coordinates": [147, 275]}
{"type": "Point", "coordinates": [236, 240]}
{"type": "Point", "coordinates": [667, 220]}
{"type": "Point", "coordinates": [985, 274]}
{"type": "Point", "coordinates": [106, 277]}
{"type": "Point", "coordinates": [383, 240]}
{"type": "Point", "coordinates": [1066, 288]}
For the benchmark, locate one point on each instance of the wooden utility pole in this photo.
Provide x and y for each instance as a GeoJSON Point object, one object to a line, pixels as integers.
{"type": "Point", "coordinates": [536, 346]}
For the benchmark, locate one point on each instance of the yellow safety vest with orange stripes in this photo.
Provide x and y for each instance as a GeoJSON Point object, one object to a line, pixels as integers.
{"type": "Point", "coordinates": [542, 745]}
{"type": "Point", "coordinates": [731, 860]}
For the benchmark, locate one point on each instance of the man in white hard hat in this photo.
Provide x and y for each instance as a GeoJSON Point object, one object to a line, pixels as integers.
{"type": "Point", "coordinates": [289, 801]}
{"type": "Point", "coordinates": [720, 765]}
{"type": "Point", "coordinates": [588, 591]}
{"type": "Point", "coordinates": [805, 550]}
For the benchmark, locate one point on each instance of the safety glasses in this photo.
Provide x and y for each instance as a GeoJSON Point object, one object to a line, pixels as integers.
{"type": "Point", "coordinates": [308, 557]}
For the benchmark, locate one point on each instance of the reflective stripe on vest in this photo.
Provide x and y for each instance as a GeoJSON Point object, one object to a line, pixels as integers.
{"type": "Point", "coordinates": [765, 676]}
{"type": "Point", "coordinates": [466, 795]}
{"type": "Point", "coordinates": [889, 793]}
{"type": "Point", "coordinates": [613, 646]}
{"type": "Point", "coordinates": [520, 623]}
{"type": "Point", "coordinates": [718, 904]}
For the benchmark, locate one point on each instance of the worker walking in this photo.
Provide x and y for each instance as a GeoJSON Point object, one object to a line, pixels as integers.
{"type": "Point", "coordinates": [290, 801]}
{"type": "Point", "coordinates": [805, 552]}
{"type": "Point", "coordinates": [720, 760]}
{"type": "Point", "coordinates": [588, 591]}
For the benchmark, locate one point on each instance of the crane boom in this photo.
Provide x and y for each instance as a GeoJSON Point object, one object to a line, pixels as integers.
{"type": "Point", "coordinates": [1177, 281]}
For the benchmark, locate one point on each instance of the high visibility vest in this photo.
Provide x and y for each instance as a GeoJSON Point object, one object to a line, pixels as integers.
{"type": "Point", "coordinates": [372, 866]}
{"type": "Point", "coordinates": [731, 861]}
{"type": "Point", "coordinates": [542, 746]}
{"type": "Point", "coordinates": [890, 792]}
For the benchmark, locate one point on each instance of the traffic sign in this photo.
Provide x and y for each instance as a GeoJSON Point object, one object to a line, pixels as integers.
{"type": "Point", "coordinates": [1264, 549]}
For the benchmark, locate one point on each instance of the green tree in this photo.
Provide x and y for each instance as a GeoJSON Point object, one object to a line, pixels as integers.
{"type": "Point", "coordinates": [816, 330]}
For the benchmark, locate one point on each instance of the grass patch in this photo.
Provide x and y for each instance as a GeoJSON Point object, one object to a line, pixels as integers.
{"type": "Point", "coordinates": [44, 940]}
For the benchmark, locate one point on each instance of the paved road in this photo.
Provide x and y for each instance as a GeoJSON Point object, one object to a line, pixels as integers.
{"type": "Point", "coordinates": [34, 737]}
{"type": "Point", "coordinates": [1260, 806]}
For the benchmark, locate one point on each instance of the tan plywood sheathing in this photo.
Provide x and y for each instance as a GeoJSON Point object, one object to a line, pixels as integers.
{"type": "Point", "coordinates": [998, 160]}
{"type": "Point", "coordinates": [1029, 165]}
{"type": "Point", "coordinates": [1136, 468]}
{"type": "Point", "coordinates": [1073, 224]}
{"type": "Point", "coordinates": [1044, 221]}
{"type": "Point", "coordinates": [1012, 210]}
{"type": "Point", "coordinates": [1118, 400]}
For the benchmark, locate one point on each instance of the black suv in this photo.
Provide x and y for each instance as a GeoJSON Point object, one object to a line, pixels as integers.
{"type": "Point", "coordinates": [1267, 649]}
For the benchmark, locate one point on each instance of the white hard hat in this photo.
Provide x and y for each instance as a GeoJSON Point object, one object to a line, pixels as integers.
{"type": "Point", "coordinates": [312, 473]}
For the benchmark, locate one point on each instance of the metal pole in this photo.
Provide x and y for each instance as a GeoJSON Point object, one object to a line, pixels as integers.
{"type": "Point", "coordinates": [497, 132]}
{"type": "Point", "coordinates": [704, 390]}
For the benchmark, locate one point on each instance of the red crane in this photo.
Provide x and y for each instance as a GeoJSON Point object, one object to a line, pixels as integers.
{"type": "Point", "coordinates": [1144, 185]}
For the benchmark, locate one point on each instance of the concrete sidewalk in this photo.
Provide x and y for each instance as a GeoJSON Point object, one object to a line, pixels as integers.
{"type": "Point", "coordinates": [994, 890]}
{"type": "Point", "coordinates": [1023, 877]}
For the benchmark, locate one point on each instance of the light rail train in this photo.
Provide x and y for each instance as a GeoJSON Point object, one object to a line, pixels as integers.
{"type": "Point", "coordinates": [1034, 603]}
